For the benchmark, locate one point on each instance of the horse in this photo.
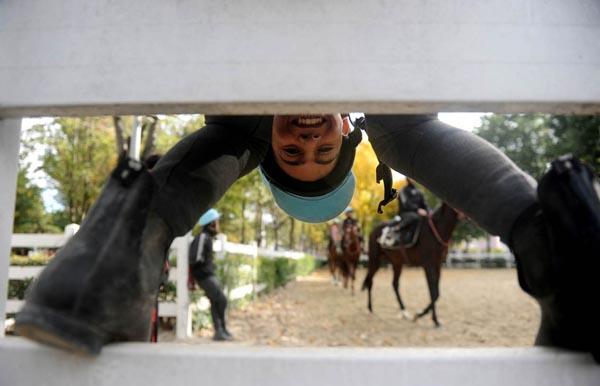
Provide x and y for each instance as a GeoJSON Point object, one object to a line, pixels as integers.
{"type": "Point", "coordinates": [348, 259]}
{"type": "Point", "coordinates": [333, 259]}
{"type": "Point", "coordinates": [429, 252]}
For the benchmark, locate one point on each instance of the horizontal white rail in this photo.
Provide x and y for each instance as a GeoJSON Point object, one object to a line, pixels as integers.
{"type": "Point", "coordinates": [26, 363]}
{"type": "Point", "coordinates": [27, 272]}
{"type": "Point", "coordinates": [168, 309]}
{"type": "Point", "coordinates": [37, 240]}
{"type": "Point", "coordinates": [251, 56]}
{"type": "Point", "coordinates": [13, 306]}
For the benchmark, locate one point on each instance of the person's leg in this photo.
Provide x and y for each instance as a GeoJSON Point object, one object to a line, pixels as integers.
{"type": "Point", "coordinates": [101, 285]}
{"type": "Point", "coordinates": [473, 176]}
{"type": "Point", "coordinates": [457, 166]}
{"type": "Point", "coordinates": [476, 178]}
{"type": "Point", "coordinates": [200, 168]}
{"type": "Point", "coordinates": [218, 304]}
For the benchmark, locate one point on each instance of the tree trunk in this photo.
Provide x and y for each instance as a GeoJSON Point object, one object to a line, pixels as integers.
{"type": "Point", "coordinates": [150, 129]}
{"type": "Point", "coordinates": [119, 135]}
{"type": "Point", "coordinates": [243, 227]}
{"type": "Point", "coordinates": [258, 225]}
{"type": "Point", "coordinates": [292, 233]}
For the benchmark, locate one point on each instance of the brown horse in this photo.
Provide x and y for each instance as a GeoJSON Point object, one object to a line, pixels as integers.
{"type": "Point", "coordinates": [333, 251]}
{"type": "Point", "coordinates": [348, 259]}
{"type": "Point", "coordinates": [429, 252]}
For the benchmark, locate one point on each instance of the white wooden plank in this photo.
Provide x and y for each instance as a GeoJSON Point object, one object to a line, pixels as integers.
{"type": "Point", "coordinates": [25, 363]}
{"type": "Point", "coordinates": [245, 56]}
{"type": "Point", "coordinates": [10, 132]}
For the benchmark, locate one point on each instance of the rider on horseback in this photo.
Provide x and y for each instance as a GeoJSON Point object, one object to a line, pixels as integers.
{"type": "Point", "coordinates": [411, 204]}
{"type": "Point", "coordinates": [347, 225]}
{"type": "Point", "coordinates": [404, 229]}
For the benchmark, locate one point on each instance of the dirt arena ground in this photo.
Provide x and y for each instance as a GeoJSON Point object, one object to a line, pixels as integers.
{"type": "Point", "coordinates": [478, 307]}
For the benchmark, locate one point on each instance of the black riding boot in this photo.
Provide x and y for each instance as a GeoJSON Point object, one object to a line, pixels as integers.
{"type": "Point", "coordinates": [559, 271]}
{"type": "Point", "coordinates": [101, 286]}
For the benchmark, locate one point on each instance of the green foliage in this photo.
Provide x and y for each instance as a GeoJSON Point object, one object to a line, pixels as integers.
{"type": "Point", "coordinates": [533, 140]}
{"type": "Point", "coordinates": [277, 272]}
{"type": "Point", "coordinates": [168, 292]}
{"type": "Point", "coordinates": [78, 156]}
{"type": "Point", "coordinates": [467, 230]}
{"type": "Point", "coordinates": [172, 128]}
{"type": "Point", "coordinates": [578, 135]}
{"type": "Point", "coordinates": [30, 215]}
{"type": "Point", "coordinates": [17, 288]}
{"type": "Point", "coordinates": [33, 259]}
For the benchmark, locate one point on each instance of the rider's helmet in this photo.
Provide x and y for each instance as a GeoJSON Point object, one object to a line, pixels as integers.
{"type": "Point", "coordinates": [209, 216]}
{"type": "Point", "coordinates": [314, 201]}
{"type": "Point", "coordinates": [326, 198]}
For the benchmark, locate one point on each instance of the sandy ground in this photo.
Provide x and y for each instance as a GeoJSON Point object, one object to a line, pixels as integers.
{"type": "Point", "coordinates": [477, 308]}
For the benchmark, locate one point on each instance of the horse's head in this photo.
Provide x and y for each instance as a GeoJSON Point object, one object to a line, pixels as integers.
{"type": "Point", "coordinates": [446, 207]}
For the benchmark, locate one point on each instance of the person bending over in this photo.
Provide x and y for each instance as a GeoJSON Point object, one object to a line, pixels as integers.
{"type": "Point", "coordinates": [97, 289]}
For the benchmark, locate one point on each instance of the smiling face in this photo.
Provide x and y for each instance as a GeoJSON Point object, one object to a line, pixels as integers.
{"type": "Point", "coordinates": [306, 147]}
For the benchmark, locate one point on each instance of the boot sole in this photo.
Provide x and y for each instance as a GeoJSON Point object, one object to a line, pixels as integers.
{"type": "Point", "coordinates": [46, 326]}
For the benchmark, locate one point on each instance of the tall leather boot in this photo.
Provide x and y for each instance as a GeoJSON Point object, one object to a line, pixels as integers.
{"type": "Point", "coordinates": [226, 332]}
{"type": "Point", "coordinates": [556, 248]}
{"type": "Point", "coordinates": [101, 286]}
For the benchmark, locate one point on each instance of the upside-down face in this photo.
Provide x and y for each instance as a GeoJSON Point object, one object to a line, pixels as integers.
{"type": "Point", "coordinates": [307, 146]}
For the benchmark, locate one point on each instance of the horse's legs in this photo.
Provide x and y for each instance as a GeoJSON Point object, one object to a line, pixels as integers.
{"type": "Point", "coordinates": [368, 282]}
{"type": "Point", "coordinates": [432, 273]}
{"type": "Point", "coordinates": [353, 267]}
{"type": "Point", "coordinates": [396, 287]}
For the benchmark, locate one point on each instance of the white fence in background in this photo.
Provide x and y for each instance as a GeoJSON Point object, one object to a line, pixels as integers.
{"type": "Point", "coordinates": [182, 308]}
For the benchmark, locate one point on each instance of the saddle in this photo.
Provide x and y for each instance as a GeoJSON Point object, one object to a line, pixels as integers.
{"type": "Point", "coordinates": [396, 235]}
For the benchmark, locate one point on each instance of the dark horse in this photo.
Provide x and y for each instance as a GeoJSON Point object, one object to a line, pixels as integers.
{"type": "Point", "coordinates": [429, 252]}
{"type": "Point", "coordinates": [348, 259]}
{"type": "Point", "coordinates": [333, 255]}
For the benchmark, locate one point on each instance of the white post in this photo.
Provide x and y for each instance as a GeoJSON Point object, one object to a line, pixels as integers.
{"type": "Point", "coordinates": [221, 253]}
{"type": "Point", "coordinates": [10, 132]}
{"type": "Point", "coordinates": [182, 246]}
{"type": "Point", "coordinates": [254, 268]}
{"type": "Point", "coordinates": [222, 237]}
{"type": "Point", "coordinates": [136, 139]}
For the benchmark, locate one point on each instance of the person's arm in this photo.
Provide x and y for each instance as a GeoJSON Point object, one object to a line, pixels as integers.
{"type": "Point", "coordinates": [207, 249]}
{"type": "Point", "coordinates": [193, 250]}
{"type": "Point", "coordinates": [462, 169]}
{"type": "Point", "coordinates": [198, 170]}
{"type": "Point", "coordinates": [422, 203]}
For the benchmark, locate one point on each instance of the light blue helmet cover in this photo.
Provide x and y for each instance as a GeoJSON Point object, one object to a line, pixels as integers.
{"type": "Point", "coordinates": [208, 217]}
{"type": "Point", "coordinates": [314, 209]}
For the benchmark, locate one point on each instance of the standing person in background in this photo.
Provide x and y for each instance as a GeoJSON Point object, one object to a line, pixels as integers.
{"type": "Point", "coordinates": [201, 260]}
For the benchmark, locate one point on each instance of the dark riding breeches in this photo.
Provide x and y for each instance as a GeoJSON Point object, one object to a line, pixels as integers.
{"type": "Point", "coordinates": [462, 169]}
{"type": "Point", "coordinates": [218, 300]}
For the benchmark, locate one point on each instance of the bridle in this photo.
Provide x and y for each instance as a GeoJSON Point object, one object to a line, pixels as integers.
{"type": "Point", "coordinates": [435, 232]}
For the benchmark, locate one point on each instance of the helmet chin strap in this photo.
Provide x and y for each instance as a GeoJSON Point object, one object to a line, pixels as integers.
{"type": "Point", "coordinates": [383, 172]}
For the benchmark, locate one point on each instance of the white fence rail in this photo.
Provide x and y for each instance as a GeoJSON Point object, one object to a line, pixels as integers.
{"type": "Point", "coordinates": [25, 363]}
{"type": "Point", "coordinates": [182, 308]}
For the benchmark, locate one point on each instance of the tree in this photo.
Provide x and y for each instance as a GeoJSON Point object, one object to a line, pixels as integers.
{"type": "Point", "coordinates": [30, 215]}
{"type": "Point", "coordinates": [525, 139]}
{"type": "Point", "coordinates": [533, 140]}
{"type": "Point", "coordinates": [579, 135]}
{"type": "Point", "coordinates": [368, 192]}
{"type": "Point", "coordinates": [78, 157]}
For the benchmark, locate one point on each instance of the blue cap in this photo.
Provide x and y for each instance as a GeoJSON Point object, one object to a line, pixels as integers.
{"type": "Point", "coordinates": [314, 209]}
{"type": "Point", "coordinates": [208, 217]}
